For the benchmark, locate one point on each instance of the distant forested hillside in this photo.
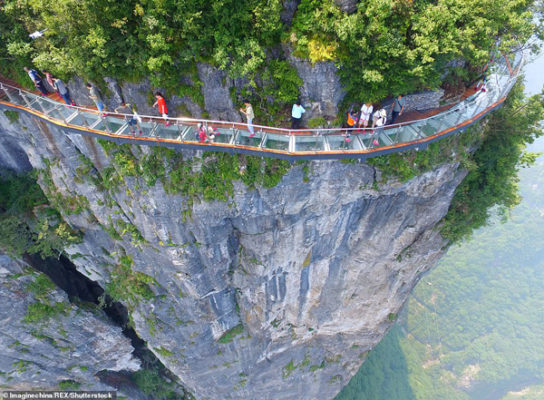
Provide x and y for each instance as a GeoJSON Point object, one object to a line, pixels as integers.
{"type": "Point", "coordinates": [473, 329]}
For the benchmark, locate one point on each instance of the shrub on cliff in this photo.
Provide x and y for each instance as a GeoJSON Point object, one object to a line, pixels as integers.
{"type": "Point", "coordinates": [384, 47]}
{"type": "Point", "coordinates": [492, 181]}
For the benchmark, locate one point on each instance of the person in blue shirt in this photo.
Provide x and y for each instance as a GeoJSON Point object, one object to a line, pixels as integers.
{"type": "Point", "coordinates": [296, 115]}
{"type": "Point", "coordinates": [37, 79]}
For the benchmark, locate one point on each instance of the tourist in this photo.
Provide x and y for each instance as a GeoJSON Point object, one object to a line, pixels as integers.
{"type": "Point", "coordinates": [161, 104]}
{"type": "Point", "coordinates": [247, 110]}
{"type": "Point", "coordinates": [96, 96]}
{"type": "Point", "coordinates": [398, 108]}
{"type": "Point", "coordinates": [131, 117]}
{"type": "Point", "coordinates": [352, 119]}
{"type": "Point", "coordinates": [296, 115]}
{"type": "Point", "coordinates": [62, 90]}
{"type": "Point", "coordinates": [379, 119]}
{"type": "Point", "coordinates": [49, 78]}
{"type": "Point", "coordinates": [212, 133]}
{"type": "Point", "coordinates": [201, 133]}
{"type": "Point", "coordinates": [366, 112]}
{"type": "Point", "coordinates": [37, 79]}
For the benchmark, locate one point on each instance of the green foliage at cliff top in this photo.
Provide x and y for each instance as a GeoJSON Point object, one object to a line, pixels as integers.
{"type": "Point", "coordinates": [384, 47]}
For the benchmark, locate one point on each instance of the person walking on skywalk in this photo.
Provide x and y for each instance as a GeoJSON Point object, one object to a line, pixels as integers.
{"type": "Point", "coordinates": [131, 117]}
{"type": "Point", "coordinates": [38, 81]}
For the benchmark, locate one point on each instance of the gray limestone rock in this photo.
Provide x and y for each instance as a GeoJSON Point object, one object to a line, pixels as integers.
{"type": "Point", "coordinates": [288, 12]}
{"type": "Point", "coordinates": [275, 294]}
{"type": "Point", "coordinates": [216, 90]}
{"type": "Point", "coordinates": [71, 345]}
{"type": "Point", "coordinates": [139, 94]}
{"type": "Point", "coordinates": [348, 6]}
{"type": "Point", "coordinates": [321, 91]}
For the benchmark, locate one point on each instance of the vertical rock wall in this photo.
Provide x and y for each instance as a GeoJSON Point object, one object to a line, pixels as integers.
{"type": "Point", "coordinates": [275, 293]}
{"type": "Point", "coordinates": [42, 352]}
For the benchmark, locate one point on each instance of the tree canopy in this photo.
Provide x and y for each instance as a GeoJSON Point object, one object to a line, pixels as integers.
{"type": "Point", "coordinates": [384, 47]}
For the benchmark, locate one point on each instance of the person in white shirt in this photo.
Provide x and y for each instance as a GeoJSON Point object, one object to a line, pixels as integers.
{"type": "Point", "coordinates": [366, 112]}
{"type": "Point", "coordinates": [296, 115]}
{"type": "Point", "coordinates": [247, 110]}
{"type": "Point", "coordinates": [378, 121]}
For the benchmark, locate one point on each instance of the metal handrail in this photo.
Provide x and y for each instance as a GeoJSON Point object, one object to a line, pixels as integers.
{"type": "Point", "coordinates": [399, 139]}
{"type": "Point", "coordinates": [284, 131]}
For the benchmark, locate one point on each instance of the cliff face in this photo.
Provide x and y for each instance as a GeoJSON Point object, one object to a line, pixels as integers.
{"type": "Point", "coordinates": [274, 294]}
{"type": "Point", "coordinates": [45, 340]}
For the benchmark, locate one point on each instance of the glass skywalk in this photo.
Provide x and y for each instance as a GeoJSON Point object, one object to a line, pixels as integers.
{"type": "Point", "coordinates": [277, 142]}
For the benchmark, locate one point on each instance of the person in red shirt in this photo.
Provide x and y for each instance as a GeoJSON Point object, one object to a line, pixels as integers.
{"type": "Point", "coordinates": [202, 136]}
{"type": "Point", "coordinates": [161, 104]}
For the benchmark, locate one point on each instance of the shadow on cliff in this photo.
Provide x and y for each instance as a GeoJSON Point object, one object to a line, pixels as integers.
{"type": "Point", "coordinates": [385, 364]}
{"type": "Point", "coordinates": [81, 290]}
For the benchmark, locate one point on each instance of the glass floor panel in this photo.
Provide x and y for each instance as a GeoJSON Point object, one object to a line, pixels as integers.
{"type": "Point", "coordinates": [57, 114]}
{"type": "Point", "coordinates": [309, 143]}
{"type": "Point", "coordinates": [243, 139]}
{"type": "Point", "coordinates": [276, 142]}
{"type": "Point", "coordinates": [89, 118]}
{"type": "Point", "coordinates": [168, 132]}
{"type": "Point", "coordinates": [224, 136]}
{"type": "Point", "coordinates": [147, 127]}
{"type": "Point", "coordinates": [339, 142]}
{"type": "Point", "coordinates": [110, 124]}
{"type": "Point", "coordinates": [46, 105]}
{"type": "Point", "coordinates": [405, 135]}
{"type": "Point", "coordinates": [393, 134]}
{"type": "Point", "coordinates": [15, 98]}
{"type": "Point", "coordinates": [66, 111]}
{"type": "Point", "coordinates": [79, 120]}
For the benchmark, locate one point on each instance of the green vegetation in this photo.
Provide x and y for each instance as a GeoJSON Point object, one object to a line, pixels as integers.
{"type": "Point", "coordinates": [163, 352]}
{"type": "Point", "coordinates": [500, 142]}
{"type": "Point", "coordinates": [229, 335]}
{"type": "Point", "coordinates": [288, 369]}
{"type": "Point", "coordinates": [492, 180]}
{"type": "Point", "coordinates": [473, 328]}
{"type": "Point", "coordinates": [384, 47]}
{"type": "Point", "coordinates": [391, 47]}
{"type": "Point", "coordinates": [39, 312]}
{"type": "Point", "coordinates": [69, 385]}
{"type": "Point", "coordinates": [129, 285]}
{"type": "Point", "coordinates": [151, 382]}
{"type": "Point", "coordinates": [43, 308]}
{"type": "Point", "coordinates": [13, 116]}
{"type": "Point", "coordinates": [28, 224]}
{"type": "Point", "coordinates": [209, 178]}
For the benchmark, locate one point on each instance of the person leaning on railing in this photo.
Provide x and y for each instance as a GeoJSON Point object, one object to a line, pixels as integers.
{"type": "Point", "coordinates": [131, 117]}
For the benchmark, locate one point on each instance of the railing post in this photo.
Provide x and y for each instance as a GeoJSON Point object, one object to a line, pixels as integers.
{"type": "Point", "coordinates": [25, 99]}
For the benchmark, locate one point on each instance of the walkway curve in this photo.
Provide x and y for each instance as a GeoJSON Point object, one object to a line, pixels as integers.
{"type": "Point", "coordinates": [307, 144]}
